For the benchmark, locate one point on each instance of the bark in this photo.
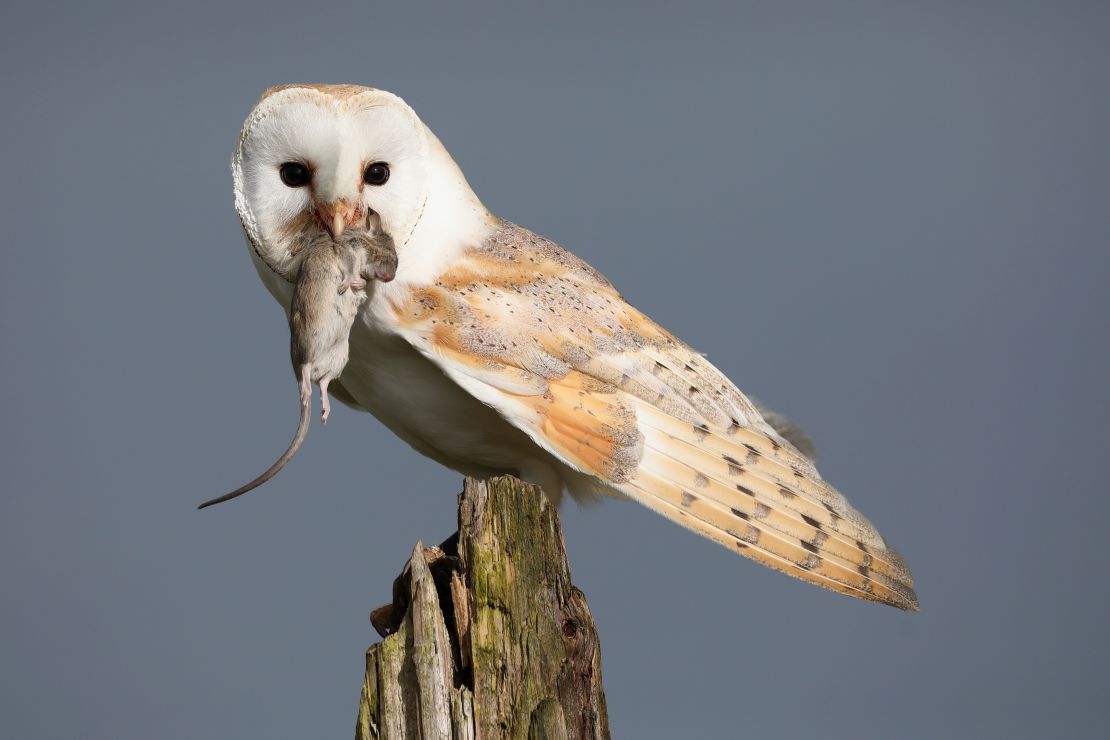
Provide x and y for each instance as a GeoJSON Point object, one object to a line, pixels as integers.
{"type": "Point", "coordinates": [487, 639]}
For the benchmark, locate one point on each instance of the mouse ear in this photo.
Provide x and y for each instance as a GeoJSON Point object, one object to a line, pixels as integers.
{"type": "Point", "coordinates": [373, 223]}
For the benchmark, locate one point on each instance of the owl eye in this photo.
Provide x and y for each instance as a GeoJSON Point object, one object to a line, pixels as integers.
{"type": "Point", "coordinates": [295, 174]}
{"type": "Point", "coordinates": [376, 173]}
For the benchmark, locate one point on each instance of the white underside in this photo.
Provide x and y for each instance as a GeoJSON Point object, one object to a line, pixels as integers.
{"type": "Point", "coordinates": [417, 402]}
{"type": "Point", "coordinates": [389, 378]}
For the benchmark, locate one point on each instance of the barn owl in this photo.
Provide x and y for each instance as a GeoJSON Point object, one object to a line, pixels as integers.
{"type": "Point", "coordinates": [495, 350]}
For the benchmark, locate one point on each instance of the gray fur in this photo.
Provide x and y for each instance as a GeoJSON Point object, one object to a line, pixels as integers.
{"type": "Point", "coordinates": [329, 290]}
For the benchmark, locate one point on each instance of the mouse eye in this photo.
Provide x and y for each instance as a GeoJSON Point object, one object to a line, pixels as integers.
{"type": "Point", "coordinates": [376, 173]}
{"type": "Point", "coordinates": [295, 174]}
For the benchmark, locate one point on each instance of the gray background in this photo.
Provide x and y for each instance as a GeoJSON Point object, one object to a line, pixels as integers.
{"type": "Point", "coordinates": [888, 220]}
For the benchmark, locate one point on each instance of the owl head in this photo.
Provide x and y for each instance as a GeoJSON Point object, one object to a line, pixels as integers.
{"type": "Point", "coordinates": [325, 159]}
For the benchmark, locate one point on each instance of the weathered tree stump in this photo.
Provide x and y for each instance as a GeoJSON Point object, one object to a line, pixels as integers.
{"type": "Point", "coordinates": [487, 639]}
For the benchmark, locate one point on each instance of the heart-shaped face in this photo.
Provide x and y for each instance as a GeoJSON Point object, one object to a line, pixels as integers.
{"type": "Point", "coordinates": [315, 160]}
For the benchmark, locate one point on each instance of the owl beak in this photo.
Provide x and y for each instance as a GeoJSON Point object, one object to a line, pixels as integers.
{"type": "Point", "coordinates": [338, 223]}
{"type": "Point", "coordinates": [336, 217]}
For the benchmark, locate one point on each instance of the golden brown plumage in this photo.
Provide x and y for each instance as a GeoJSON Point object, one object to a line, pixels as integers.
{"type": "Point", "coordinates": [546, 340]}
{"type": "Point", "coordinates": [496, 351]}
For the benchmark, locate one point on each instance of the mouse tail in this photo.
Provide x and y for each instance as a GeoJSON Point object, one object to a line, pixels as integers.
{"type": "Point", "coordinates": [298, 438]}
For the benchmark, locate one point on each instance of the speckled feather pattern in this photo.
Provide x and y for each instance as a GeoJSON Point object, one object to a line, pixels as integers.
{"type": "Point", "coordinates": [496, 350]}
{"type": "Point", "coordinates": [603, 387]}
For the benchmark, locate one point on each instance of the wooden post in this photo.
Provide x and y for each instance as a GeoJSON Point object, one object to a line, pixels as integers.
{"type": "Point", "coordinates": [490, 639]}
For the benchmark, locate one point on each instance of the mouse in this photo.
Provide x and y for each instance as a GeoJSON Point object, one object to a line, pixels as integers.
{"type": "Point", "coordinates": [330, 288]}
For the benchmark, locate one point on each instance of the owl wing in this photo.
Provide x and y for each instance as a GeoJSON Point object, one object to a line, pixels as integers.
{"type": "Point", "coordinates": [789, 431]}
{"type": "Point", "coordinates": [538, 335]}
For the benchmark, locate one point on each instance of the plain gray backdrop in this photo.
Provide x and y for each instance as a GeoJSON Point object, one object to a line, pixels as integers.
{"type": "Point", "coordinates": [889, 220]}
